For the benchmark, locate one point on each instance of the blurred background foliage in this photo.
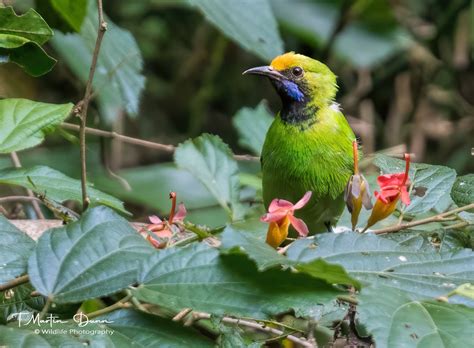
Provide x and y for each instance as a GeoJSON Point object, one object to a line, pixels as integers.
{"type": "Point", "coordinates": [171, 69]}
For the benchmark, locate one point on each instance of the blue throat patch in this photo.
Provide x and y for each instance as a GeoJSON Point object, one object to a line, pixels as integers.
{"type": "Point", "coordinates": [293, 91]}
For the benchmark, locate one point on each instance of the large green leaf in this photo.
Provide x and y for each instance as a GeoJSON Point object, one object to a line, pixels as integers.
{"type": "Point", "coordinates": [56, 186]}
{"type": "Point", "coordinates": [151, 331]}
{"type": "Point", "coordinates": [21, 38]}
{"type": "Point", "coordinates": [396, 320]}
{"type": "Point", "coordinates": [211, 161]}
{"type": "Point", "coordinates": [202, 207]}
{"type": "Point", "coordinates": [252, 126]}
{"type": "Point", "coordinates": [372, 259]}
{"type": "Point", "coordinates": [18, 300]}
{"type": "Point", "coordinates": [24, 123]}
{"type": "Point", "coordinates": [93, 257]}
{"type": "Point", "coordinates": [29, 26]}
{"type": "Point", "coordinates": [123, 328]}
{"type": "Point", "coordinates": [249, 238]}
{"type": "Point", "coordinates": [437, 180]}
{"type": "Point", "coordinates": [249, 23]}
{"type": "Point", "coordinates": [15, 248]}
{"type": "Point", "coordinates": [22, 300]}
{"type": "Point", "coordinates": [197, 277]}
{"type": "Point", "coordinates": [462, 192]}
{"type": "Point", "coordinates": [118, 79]}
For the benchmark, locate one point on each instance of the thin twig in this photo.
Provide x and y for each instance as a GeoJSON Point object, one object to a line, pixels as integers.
{"type": "Point", "coordinates": [123, 303]}
{"type": "Point", "coordinates": [437, 218]}
{"type": "Point", "coordinates": [9, 199]}
{"type": "Point", "coordinates": [84, 104]}
{"type": "Point", "coordinates": [257, 326]}
{"type": "Point", "coordinates": [145, 143]}
{"type": "Point", "coordinates": [45, 309]}
{"type": "Point", "coordinates": [15, 282]}
{"type": "Point", "coordinates": [17, 164]}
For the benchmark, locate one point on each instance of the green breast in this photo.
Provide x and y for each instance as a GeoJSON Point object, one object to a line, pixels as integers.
{"type": "Point", "coordinates": [314, 156]}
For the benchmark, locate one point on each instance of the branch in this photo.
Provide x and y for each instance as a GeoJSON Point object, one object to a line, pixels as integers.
{"type": "Point", "coordinates": [254, 325]}
{"type": "Point", "coordinates": [437, 218]}
{"type": "Point", "coordinates": [145, 143]}
{"type": "Point", "coordinates": [17, 164]}
{"type": "Point", "coordinates": [15, 282]}
{"type": "Point", "coordinates": [9, 199]}
{"type": "Point", "coordinates": [84, 103]}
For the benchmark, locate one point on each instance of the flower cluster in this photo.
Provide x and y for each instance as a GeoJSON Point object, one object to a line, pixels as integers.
{"type": "Point", "coordinates": [393, 187]}
{"type": "Point", "coordinates": [161, 231]}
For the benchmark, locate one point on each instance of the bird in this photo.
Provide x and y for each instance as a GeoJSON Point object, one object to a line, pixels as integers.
{"type": "Point", "coordinates": [308, 146]}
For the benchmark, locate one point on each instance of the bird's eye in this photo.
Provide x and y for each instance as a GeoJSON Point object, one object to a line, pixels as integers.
{"type": "Point", "coordinates": [297, 71]}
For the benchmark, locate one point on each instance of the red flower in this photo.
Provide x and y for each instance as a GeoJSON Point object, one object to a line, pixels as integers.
{"type": "Point", "coordinates": [163, 229]}
{"type": "Point", "coordinates": [280, 215]}
{"type": "Point", "coordinates": [392, 188]}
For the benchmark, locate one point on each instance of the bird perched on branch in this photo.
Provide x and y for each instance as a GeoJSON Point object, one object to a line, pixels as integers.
{"type": "Point", "coordinates": [309, 144]}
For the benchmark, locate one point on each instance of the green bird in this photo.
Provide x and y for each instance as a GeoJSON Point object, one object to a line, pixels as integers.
{"type": "Point", "coordinates": [309, 144]}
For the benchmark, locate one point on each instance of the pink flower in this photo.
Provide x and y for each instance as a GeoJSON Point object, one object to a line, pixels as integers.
{"type": "Point", "coordinates": [162, 228]}
{"type": "Point", "coordinates": [280, 215]}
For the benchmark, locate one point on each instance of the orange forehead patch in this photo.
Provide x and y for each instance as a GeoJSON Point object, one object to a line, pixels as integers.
{"type": "Point", "coordinates": [284, 61]}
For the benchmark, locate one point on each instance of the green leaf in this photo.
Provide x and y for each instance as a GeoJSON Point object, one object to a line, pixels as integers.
{"type": "Point", "coordinates": [72, 11]}
{"type": "Point", "coordinates": [462, 192]}
{"type": "Point", "coordinates": [19, 338]}
{"type": "Point", "coordinates": [197, 277]}
{"type": "Point", "coordinates": [95, 256]}
{"type": "Point", "coordinates": [396, 320]}
{"type": "Point", "coordinates": [26, 54]}
{"type": "Point", "coordinates": [211, 161]}
{"type": "Point", "coordinates": [375, 260]}
{"type": "Point", "coordinates": [122, 328]}
{"type": "Point", "coordinates": [29, 25]}
{"type": "Point", "coordinates": [18, 300]}
{"type": "Point", "coordinates": [202, 207]}
{"type": "Point", "coordinates": [438, 181]}
{"type": "Point", "coordinates": [249, 23]}
{"type": "Point", "coordinates": [152, 331]}
{"type": "Point", "coordinates": [252, 126]}
{"type": "Point", "coordinates": [24, 123]}
{"type": "Point", "coordinates": [21, 38]}
{"type": "Point", "coordinates": [56, 186]}
{"type": "Point", "coordinates": [15, 248]}
{"type": "Point", "coordinates": [249, 238]}
{"type": "Point", "coordinates": [118, 79]}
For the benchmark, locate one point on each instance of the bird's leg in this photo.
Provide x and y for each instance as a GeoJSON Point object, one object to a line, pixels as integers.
{"type": "Point", "coordinates": [329, 226]}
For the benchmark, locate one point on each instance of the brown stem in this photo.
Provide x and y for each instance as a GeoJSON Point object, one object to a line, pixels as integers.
{"type": "Point", "coordinates": [84, 104]}
{"type": "Point", "coordinates": [356, 157]}
{"type": "Point", "coordinates": [140, 142]}
{"type": "Point", "coordinates": [258, 326]}
{"type": "Point", "coordinates": [19, 199]}
{"type": "Point", "coordinates": [17, 164]}
{"type": "Point", "coordinates": [45, 309]}
{"type": "Point", "coordinates": [173, 206]}
{"type": "Point", "coordinates": [15, 282]}
{"type": "Point", "coordinates": [407, 168]}
{"type": "Point", "coordinates": [436, 218]}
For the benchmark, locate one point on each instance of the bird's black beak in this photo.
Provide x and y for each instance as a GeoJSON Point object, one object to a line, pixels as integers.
{"type": "Point", "coordinates": [265, 71]}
